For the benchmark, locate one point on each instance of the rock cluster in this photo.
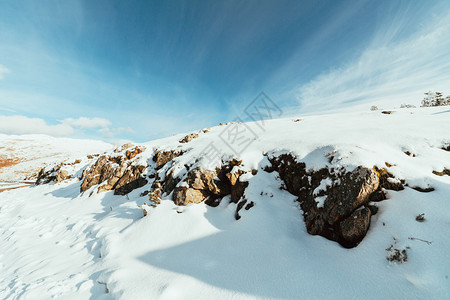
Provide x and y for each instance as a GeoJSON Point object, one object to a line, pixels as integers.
{"type": "Point", "coordinates": [344, 215]}
{"type": "Point", "coordinates": [189, 138]}
{"type": "Point", "coordinates": [212, 186]}
{"type": "Point", "coordinates": [336, 203]}
{"type": "Point", "coordinates": [57, 173]}
{"type": "Point", "coordinates": [116, 172]}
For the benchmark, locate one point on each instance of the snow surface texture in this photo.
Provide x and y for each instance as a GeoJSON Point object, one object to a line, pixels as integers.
{"type": "Point", "coordinates": [34, 152]}
{"type": "Point", "coordinates": [55, 242]}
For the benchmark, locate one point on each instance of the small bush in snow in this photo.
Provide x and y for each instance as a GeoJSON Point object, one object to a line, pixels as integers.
{"type": "Point", "coordinates": [396, 255]}
{"type": "Point", "coordinates": [373, 107]}
{"type": "Point", "coordinates": [407, 106]}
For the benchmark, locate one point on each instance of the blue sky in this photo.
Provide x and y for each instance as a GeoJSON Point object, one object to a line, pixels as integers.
{"type": "Point", "coordinates": [141, 70]}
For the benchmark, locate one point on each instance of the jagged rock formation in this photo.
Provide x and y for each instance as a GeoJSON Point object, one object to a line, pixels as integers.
{"type": "Point", "coordinates": [335, 202]}
{"type": "Point", "coordinates": [56, 174]}
{"type": "Point", "coordinates": [116, 172]}
{"type": "Point", "coordinates": [202, 184]}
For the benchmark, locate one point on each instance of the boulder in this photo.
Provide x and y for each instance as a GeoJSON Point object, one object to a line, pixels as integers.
{"type": "Point", "coordinates": [132, 179]}
{"type": "Point", "coordinates": [341, 215]}
{"type": "Point", "coordinates": [353, 192]}
{"type": "Point", "coordinates": [62, 175]}
{"type": "Point", "coordinates": [163, 157]}
{"type": "Point", "coordinates": [354, 228]}
{"type": "Point", "coordinates": [184, 196]}
{"type": "Point", "coordinates": [202, 179]}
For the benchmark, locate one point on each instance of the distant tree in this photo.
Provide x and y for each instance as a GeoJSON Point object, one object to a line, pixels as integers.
{"type": "Point", "coordinates": [435, 99]}
{"type": "Point", "coordinates": [428, 99]}
{"type": "Point", "coordinates": [439, 99]}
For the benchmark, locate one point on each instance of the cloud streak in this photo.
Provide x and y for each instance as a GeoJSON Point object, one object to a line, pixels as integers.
{"type": "Point", "coordinates": [87, 123]}
{"type": "Point", "coordinates": [3, 71]}
{"type": "Point", "coordinates": [388, 72]}
{"type": "Point", "coordinates": [18, 124]}
{"type": "Point", "coordinates": [25, 125]}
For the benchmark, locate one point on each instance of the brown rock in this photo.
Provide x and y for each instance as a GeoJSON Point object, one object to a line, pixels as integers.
{"type": "Point", "coordinates": [202, 179]}
{"type": "Point", "coordinates": [130, 154]}
{"type": "Point", "coordinates": [170, 182]}
{"type": "Point", "coordinates": [353, 192]}
{"type": "Point", "coordinates": [189, 138]}
{"type": "Point", "coordinates": [348, 193]}
{"type": "Point", "coordinates": [115, 173]}
{"type": "Point", "coordinates": [354, 228]}
{"type": "Point", "coordinates": [62, 175]}
{"type": "Point", "coordinates": [131, 180]}
{"type": "Point", "coordinates": [234, 177]}
{"type": "Point", "coordinates": [202, 183]}
{"type": "Point", "coordinates": [184, 196]}
{"type": "Point", "coordinates": [237, 191]}
{"type": "Point", "coordinates": [163, 157]}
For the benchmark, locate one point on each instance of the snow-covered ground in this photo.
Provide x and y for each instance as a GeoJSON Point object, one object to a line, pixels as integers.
{"type": "Point", "coordinates": [56, 242]}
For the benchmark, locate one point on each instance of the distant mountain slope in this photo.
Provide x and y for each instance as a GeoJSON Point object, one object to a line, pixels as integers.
{"type": "Point", "coordinates": [22, 156]}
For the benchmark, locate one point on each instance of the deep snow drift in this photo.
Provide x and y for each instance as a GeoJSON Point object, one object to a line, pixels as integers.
{"type": "Point", "coordinates": [58, 242]}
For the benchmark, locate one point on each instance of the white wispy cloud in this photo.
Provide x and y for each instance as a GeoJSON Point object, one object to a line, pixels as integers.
{"type": "Point", "coordinates": [87, 123]}
{"type": "Point", "coordinates": [111, 133]}
{"type": "Point", "coordinates": [3, 70]}
{"type": "Point", "coordinates": [18, 124]}
{"type": "Point", "coordinates": [25, 125]}
{"type": "Point", "coordinates": [389, 72]}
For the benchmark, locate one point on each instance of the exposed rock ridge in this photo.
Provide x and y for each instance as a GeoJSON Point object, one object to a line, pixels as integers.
{"type": "Point", "coordinates": [338, 210]}
{"type": "Point", "coordinates": [116, 172]}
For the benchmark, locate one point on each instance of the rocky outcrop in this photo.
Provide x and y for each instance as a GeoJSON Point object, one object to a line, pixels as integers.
{"type": "Point", "coordinates": [189, 138]}
{"type": "Point", "coordinates": [132, 179]}
{"type": "Point", "coordinates": [57, 174]}
{"type": "Point", "coordinates": [163, 157]}
{"type": "Point", "coordinates": [202, 184]}
{"type": "Point", "coordinates": [116, 172]}
{"type": "Point", "coordinates": [445, 171]}
{"type": "Point", "coordinates": [335, 202]}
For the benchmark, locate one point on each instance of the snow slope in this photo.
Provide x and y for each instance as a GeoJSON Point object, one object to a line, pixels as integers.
{"type": "Point", "coordinates": [55, 242]}
{"type": "Point", "coordinates": [28, 154]}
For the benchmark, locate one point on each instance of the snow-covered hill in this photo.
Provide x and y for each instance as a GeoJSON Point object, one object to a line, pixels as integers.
{"type": "Point", "coordinates": [22, 156]}
{"type": "Point", "coordinates": [246, 194]}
